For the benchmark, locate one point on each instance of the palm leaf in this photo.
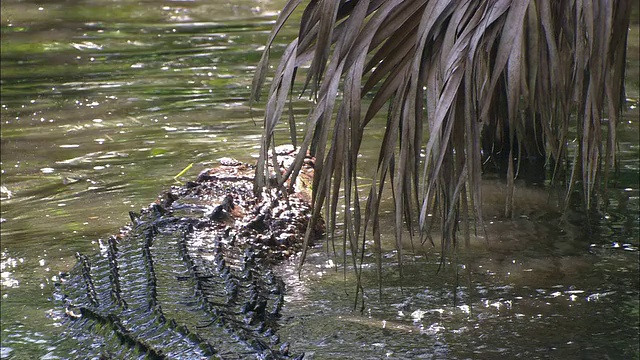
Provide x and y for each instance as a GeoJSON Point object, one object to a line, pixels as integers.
{"type": "Point", "coordinates": [446, 69]}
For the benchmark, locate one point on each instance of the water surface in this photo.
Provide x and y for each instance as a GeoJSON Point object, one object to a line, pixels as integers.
{"type": "Point", "coordinates": [103, 103]}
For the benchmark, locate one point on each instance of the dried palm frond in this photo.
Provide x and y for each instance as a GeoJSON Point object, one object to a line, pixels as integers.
{"type": "Point", "coordinates": [446, 69]}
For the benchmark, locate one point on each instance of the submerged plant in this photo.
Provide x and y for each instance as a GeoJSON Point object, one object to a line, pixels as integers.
{"type": "Point", "coordinates": [447, 69]}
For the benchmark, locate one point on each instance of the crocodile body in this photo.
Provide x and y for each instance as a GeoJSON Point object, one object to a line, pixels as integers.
{"type": "Point", "coordinates": [190, 277]}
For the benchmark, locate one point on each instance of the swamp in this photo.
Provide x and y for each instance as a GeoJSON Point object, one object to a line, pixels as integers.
{"type": "Point", "coordinates": [104, 103]}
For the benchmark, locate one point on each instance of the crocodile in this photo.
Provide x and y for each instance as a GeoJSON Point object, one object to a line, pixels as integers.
{"type": "Point", "coordinates": [191, 277]}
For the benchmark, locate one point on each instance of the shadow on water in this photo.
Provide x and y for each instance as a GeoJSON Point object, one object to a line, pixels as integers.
{"type": "Point", "coordinates": [538, 287]}
{"type": "Point", "coordinates": [104, 103]}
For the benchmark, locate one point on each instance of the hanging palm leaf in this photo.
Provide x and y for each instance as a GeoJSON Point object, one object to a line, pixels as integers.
{"type": "Point", "coordinates": [446, 69]}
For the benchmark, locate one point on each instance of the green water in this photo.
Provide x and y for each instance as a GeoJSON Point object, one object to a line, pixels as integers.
{"type": "Point", "coordinates": [103, 103]}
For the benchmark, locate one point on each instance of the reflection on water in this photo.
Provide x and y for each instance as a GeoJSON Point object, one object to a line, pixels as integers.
{"type": "Point", "coordinates": [104, 103]}
{"type": "Point", "coordinates": [539, 287]}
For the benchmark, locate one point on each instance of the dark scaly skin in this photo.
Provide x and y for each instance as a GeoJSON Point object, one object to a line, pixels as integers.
{"type": "Point", "coordinates": [190, 278]}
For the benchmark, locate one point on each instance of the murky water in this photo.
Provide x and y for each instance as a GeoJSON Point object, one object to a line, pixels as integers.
{"type": "Point", "coordinates": [104, 103]}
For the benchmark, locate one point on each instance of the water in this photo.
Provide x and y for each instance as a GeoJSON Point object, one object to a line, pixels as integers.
{"type": "Point", "coordinates": [104, 103]}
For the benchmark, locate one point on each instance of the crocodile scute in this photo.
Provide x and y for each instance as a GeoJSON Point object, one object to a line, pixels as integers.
{"type": "Point", "coordinates": [191, 277]}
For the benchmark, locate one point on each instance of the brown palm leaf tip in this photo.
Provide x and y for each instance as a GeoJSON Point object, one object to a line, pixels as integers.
{"type": "Point", "coordinates": [445, 69]}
